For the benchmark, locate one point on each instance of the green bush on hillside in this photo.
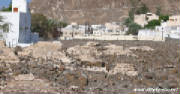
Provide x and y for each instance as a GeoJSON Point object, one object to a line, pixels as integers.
{"type": "Point", "coordinates": [164, 18]}
{"type": "Point", "coordinates": [152, 24]}
{"type": "Point", "coordinates": [133, 29]}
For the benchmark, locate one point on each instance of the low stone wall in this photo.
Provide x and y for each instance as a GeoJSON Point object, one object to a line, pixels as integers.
{"type": "Point", "coordinates": [104, 37]}
{"type": "Point", "coordinates": [143, 35]}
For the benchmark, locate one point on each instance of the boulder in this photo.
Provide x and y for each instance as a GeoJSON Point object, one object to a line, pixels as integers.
{"type": "Point", "coordinates": [24, 77]}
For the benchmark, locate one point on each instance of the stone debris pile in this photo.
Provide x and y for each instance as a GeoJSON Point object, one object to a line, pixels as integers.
{"type": "Point", "coordinates": [92, 51]}
{"type": "Point", "coordinates": [123, 68]}
{"type": "Point", "coordinates": [46, 50]}
{"type": "Point", "coordinates": [2, 44]}
{"type": "Point", "coordinates": [142, 48]}
{"type": "Point", "coordinates": [36, 85]}
{"type": "Point", "coordinates": [117, 50]}
{"type": "Point", "coordinates": [76, 78]}
{"type": "Point", "coordinates": [7, 55]}
{"type": "Point", "coordinates": [87, 52]}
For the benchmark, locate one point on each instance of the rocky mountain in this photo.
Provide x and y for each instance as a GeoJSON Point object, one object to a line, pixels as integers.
{"type": "Point", "coordinates": [98, 11]}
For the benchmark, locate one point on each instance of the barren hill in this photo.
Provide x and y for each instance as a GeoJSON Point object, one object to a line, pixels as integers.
{"type": "Point", "coordinates": [98, 11]}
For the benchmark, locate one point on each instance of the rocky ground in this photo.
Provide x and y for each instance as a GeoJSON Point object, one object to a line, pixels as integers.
{"type": "Point", "coordinates": [98, 11]}
{"type": "Point", "coordinates": [92, 67]}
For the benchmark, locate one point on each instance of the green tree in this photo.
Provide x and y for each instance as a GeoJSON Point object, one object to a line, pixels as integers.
{"type": "Point", "coordinates": [4, 26]}
{"type": "Point", "coordinates": [47, 28]}
{"type": "Point", "coordinates": [133, 29]}
{"type": "Point", "coordinates": [152, 24]}
{"type": "Point", "coordinates": [130, 19]}
{"type": "Point", "coordinates": [142, 10]}
{"type": "Point", "coordinates": [9, 8]}
{"type": "Point", "coordinates": [39, 24]}
{"type": "Point", "coordinates": [164, 18]}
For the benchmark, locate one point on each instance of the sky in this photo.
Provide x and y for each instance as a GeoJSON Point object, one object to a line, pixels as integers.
{"type": "Point", "coordinates": [6, 3]}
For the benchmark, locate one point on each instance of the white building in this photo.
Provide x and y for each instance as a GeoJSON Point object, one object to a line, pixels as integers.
{"type": "Point", "coordinates": [19, 23]}
{"type": "Point", "coordinates": [73, 30]}
{"type": "Point", "coordinates": [171, 28]}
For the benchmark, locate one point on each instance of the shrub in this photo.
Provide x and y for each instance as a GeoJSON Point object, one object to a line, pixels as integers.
{"type": "Point", "coordinates": [152, 24]}
{"type": "Point", "coordinates": [164, 18]}
{"type": "Point", "coordinates": [128, 21]}
{"type": "Point", "coordinates": [133, 29]}
{"type": "Point", "coordinates": [38, 24]}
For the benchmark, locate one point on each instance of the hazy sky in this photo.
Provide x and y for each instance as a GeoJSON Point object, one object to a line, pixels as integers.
{"type": "Point", "coordinates": [6, 2]}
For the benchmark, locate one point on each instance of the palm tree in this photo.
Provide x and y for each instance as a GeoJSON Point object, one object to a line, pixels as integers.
{"type": "Point", "coordinates": [4, 26]}
{"type": "Point", "coordinates": [0, 21]}
{"type": "Point", "coordinates": [1, 18]}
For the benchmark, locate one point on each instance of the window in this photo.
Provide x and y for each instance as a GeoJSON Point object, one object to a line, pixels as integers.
{"type": "Point", "coordinates": [15, 9]}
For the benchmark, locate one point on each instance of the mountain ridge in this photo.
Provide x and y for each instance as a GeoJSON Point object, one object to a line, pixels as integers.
{"type": "Point", "coordinates": [98, 11]}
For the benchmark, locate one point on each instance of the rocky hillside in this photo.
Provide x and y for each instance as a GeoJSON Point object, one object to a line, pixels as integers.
{"type": "Point", "coordinates": [97, 11]}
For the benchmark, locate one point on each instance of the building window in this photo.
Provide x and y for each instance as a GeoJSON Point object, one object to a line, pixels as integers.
{"type": "Point", "coordinates": [15, 9]}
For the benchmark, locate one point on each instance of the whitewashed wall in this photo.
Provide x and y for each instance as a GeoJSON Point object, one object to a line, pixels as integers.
{"type": "Point", "coordinates": [22, 5]}
{"type": "Point", "coordinates": [151, 35]}
{"type": "Point", "coordinates": [13, 20]}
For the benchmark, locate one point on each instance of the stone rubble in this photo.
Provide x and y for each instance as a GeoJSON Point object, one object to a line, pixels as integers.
{"type": "Point", "coordinates": [125, 69]}
{"type": "Point", "coordinates": [87, 52]}
{"type": "Point", "coordinates": [93, 65]}
{"type": "Point", "coordinates": [46, 50]}
{"type": "Point", "coordinates": [2, 44]}
{"type": "Point", "coordinates": [142, 48]}
{"type": "Point", "coordinates": [117, 50]}
{"type": "Point", "coordinates": [7, 55]}
{"type": "Point", "coordinates": [92, 51]}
